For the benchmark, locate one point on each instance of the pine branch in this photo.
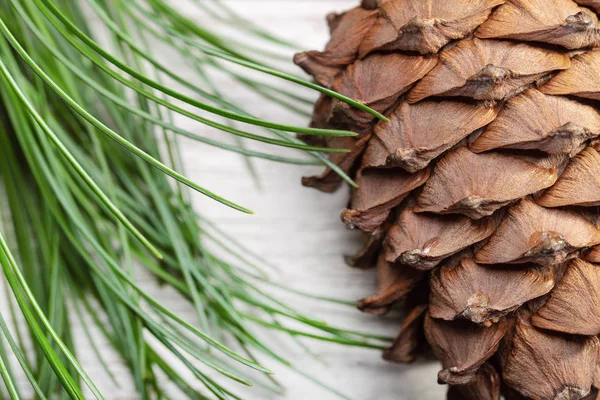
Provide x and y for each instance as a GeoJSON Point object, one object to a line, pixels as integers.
{"type": "Point", "coordinates": [84, 130]}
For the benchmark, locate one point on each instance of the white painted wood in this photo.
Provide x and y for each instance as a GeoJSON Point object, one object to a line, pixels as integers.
{"type": "Point", "coordinates": [299, 230]}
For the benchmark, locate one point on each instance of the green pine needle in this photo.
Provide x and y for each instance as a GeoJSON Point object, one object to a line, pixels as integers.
{"type": "Point", "coordinates": [90, 145]}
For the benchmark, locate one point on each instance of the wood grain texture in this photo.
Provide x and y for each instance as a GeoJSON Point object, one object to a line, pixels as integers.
{"type": "Point", "coordinates": [297, 229]}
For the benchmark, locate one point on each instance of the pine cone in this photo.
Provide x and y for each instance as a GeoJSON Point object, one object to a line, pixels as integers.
{"type": "Point", "coordinates": [479, 198]}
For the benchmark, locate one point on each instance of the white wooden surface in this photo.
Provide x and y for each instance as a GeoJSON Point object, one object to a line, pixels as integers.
{"type": "Point", "coordinates": [299, 230]}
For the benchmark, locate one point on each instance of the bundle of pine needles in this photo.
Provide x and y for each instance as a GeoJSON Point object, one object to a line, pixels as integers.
{"type": "Point", "coordinates": [89, 147]}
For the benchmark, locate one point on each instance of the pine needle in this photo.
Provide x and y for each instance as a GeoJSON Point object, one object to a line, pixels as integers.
{"type": "Point", "coordinates": [83, 129]}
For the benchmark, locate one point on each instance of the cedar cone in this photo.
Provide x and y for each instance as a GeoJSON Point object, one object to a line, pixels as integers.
{"type": "Point", "coordinates": [479, 198]}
